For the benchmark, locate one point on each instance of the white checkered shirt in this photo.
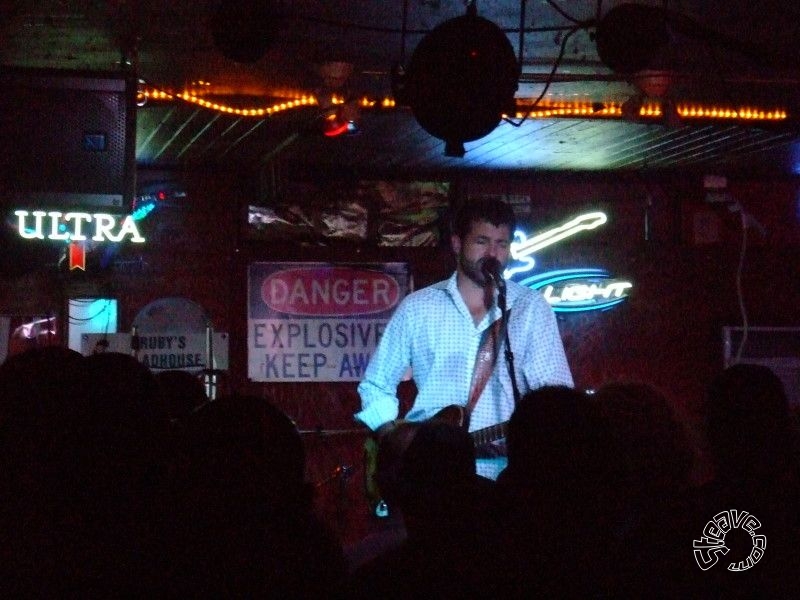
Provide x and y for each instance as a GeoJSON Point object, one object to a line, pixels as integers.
{"type": "Point", "coordinates": [433, 333]}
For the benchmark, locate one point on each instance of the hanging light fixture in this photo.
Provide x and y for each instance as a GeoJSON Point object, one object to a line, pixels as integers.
{"type": "Point", "coordinates": [461, 79]}
{"type": "Point", "coordinates": [630, 36]}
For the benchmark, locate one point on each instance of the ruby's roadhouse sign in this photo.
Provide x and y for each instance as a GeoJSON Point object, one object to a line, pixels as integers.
{"type": "Point", "coordinates": [319, 321]}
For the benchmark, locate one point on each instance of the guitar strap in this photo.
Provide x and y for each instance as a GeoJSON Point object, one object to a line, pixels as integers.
{"type": "Point", "coordinates": [485, 360]}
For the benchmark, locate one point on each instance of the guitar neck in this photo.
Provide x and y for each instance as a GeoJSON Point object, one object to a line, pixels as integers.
{"type": "Point", "coordinates": [457, 416]}
{"type": "Point", "coordinates": [489, 434]}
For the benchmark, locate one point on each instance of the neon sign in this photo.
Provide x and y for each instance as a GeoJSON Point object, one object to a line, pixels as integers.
{"type": "Point", "coordinates": [522, 247]}
{"type": "Point", "coordinates": [55, 225]}
{"type": "Point", "coordinates": [567, 290]}
{"type": "Point", "coordinates": [577, 290]}
{"type": "Point", "coordinates": [75, 229]}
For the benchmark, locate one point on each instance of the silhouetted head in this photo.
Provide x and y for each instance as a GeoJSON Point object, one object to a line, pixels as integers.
{"type": "Point", "coordinates": [440, 495]}
{"type": "Point", "coordinates": [554, 440]}
{"type": "Point", "coordinates": [38, 381]}
{"type": "Point", "coordinates": [84, 468]}
{"type": "Point", "coordinates": [120, 431]}
{"type": "Point", "coordinates": [182, 392]}
{"type": "Point", "coordinates": [748, 422]}
{"type": "Point", "coordinates": [244, 450]}
{"type": "Point", "coordinates": [38, 392]}
{"type": "Point", "coordinates": [651, 449]}
{"type": "Point", "coordinates": [440, 456]}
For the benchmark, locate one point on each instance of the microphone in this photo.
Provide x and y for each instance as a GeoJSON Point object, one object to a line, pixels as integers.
{"type": "Point", "coordinates": [492, 271]}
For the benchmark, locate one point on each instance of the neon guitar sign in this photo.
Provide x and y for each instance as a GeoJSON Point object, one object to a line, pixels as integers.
{"type": "Point", "coordinates": [567, 290]}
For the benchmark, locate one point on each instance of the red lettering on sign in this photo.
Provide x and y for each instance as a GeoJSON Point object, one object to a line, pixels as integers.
{"type": "Point", "coordinates": [334, 291]}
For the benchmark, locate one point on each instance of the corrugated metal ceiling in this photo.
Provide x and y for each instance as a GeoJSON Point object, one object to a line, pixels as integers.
{"type": "Point", "coordinates": [169, 44]}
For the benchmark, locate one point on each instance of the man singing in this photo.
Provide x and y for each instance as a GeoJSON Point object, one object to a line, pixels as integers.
{"type": "Point", "coordinates": [453, 337]}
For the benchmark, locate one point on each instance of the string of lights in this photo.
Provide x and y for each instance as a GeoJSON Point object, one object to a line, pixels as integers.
{"type": "Point", "coordinates": [526, 107]}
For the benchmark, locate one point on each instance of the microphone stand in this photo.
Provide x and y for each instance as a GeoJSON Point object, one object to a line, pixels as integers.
{"type": "Point", "coordinates": [501, 303]}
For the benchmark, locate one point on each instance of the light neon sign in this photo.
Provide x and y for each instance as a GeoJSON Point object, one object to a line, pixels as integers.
{"type": "Point", "coordinates": [567, 290]}
{"type": "Point", "coordinates": [577, 290]}
{"type": "Point", "coordinates": [522, 247]}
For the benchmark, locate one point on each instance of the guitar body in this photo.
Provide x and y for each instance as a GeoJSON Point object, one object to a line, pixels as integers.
{"type": "Point", "coordinates": [454, 414]}
{"type": "Point", "coordinates": [383, 457]}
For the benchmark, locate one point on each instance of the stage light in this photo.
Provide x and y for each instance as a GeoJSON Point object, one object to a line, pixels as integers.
{"type": "Point", "coordinates": [461, 80]}
{"type": "Point", "coordinates": [630, 36]}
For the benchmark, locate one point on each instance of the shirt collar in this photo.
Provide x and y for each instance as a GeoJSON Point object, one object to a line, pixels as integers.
{"type": "Point", "coordinates": [450, 285]}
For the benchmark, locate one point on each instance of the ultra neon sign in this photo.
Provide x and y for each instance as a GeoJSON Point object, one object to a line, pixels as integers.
{"type": "Point", "coordinates": [56, 225]}
{"type": "Point", "coordinates": [567, 290]}
{"type": "Point", "coordinates": [76, 228]}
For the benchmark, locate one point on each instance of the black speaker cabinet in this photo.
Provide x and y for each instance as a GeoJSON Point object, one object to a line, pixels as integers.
{"type": "Point", "coordinates": [67, 139]}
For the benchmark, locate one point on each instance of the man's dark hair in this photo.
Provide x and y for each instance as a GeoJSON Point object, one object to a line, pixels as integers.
{"type": "Point", "coordinates": [492, 210]}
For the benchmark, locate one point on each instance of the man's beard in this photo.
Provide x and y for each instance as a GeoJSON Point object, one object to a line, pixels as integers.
{"type": "Point", "coordinates": [472, 269]}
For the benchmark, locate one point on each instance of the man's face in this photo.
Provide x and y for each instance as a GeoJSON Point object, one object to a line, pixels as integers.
{"type": "Point", "coordinates": [483, 241]}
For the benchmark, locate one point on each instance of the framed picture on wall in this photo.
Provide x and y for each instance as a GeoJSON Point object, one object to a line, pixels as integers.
{"type": "Point", "coordinates": [371, 212]}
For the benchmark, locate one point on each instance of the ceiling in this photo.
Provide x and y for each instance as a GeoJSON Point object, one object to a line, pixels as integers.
{"type": "Point", "coordinates": [730, 52]}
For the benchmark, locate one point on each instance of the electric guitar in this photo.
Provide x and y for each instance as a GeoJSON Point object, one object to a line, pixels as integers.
{"type": "Point", "coordinates": [382, 457]}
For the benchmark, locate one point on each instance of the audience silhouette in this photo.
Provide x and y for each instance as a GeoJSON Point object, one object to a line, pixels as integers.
{"type": "Point", "coordinates": [182, 393]}
{"type": "Point", "coordinates": [121, 469]}
{"type": "Point", "coordinates": [647, 495]}
{"type": "Point", "coordinates": [554, 542]}
{"type": "Point", "coordinates": [243, 521]}
{"type": "Point", "coordinates": [83, 466]}
{"type": "Point", "coordinates": [101, 495]}
{"type": "Point", "coordinates": [448, 513]}
{"type": "Point", "coordinates": [37, 388]}
{"type": "Point", "coordinates": [753, 445]}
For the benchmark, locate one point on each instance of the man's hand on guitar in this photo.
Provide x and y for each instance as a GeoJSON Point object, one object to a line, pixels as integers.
{"type": "Point", "coordinates": [384, 430]}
